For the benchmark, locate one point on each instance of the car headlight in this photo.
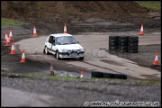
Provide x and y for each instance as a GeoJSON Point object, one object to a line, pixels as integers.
{"type": "Point", "coordinates": [69, 51]}
{"type": "Point", "coordinates": [80, 50]}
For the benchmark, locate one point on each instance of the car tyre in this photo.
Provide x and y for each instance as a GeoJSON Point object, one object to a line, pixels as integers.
{"type": "Point", "coordinates": [46, 50]}
{"type": "Point", "coordinates": [108, 75]}
{"type": "Point", "coordinates": [113, 39]}
{"type": "Point", "coordinates": [123, 39]}
{"type": "Point", "coordinates": [123, 43]}
{"type": "Point", "coordinates": [81, 58]}
{"type": "Point", "coordinates": [133, 48]}
{"type": "Point", "coordinates": [57, 55]}
{"type": "Point", "coordinates": [96, 74]}
{"type": "Point", "coordinates": [133, 44]}
{"type": "Point", "coordinates": [133, 39]}
{"type": "Point", "coordinates": [113, 48]}
{"type": "Point", "coordinates": [120, 76]}
{"type": "Point", "coordinates": [113, 43]}
{"type": "Point", "coordinates": [122, 50]}
{"type": "Point", "coordinates": [133, 51]}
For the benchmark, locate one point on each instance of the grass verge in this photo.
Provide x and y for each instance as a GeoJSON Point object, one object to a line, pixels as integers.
{"type": "Point", "coordinates": [38, 76]}
{"type": "Point", "coordinates": [154, 5]}
{"type": "Point", "coordinates": [70, 78]}
{"type": "Point", "coordinates": [8, 22]}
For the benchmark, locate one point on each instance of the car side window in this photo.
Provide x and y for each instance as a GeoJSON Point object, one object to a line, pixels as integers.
{"type": "Point", "coordinates": [50, 39]}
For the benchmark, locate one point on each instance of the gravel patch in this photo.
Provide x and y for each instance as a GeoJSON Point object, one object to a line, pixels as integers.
{"type": "Point", "coordinates": [75, 93]}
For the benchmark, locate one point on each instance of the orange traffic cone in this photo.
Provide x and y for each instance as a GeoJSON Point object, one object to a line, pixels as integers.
{"type": "Point", "coordinates": [65, 28]}
{"type": "Point", "coordinates": [156, 60]}
{"type": "Point", "coordinates": [81, 74]}
{"type": "Point", "coordinates": [51, 70]}
{"type": "Point", "coordinates": [13, 49]}
{"type": "Point", "coordinates": [10, 35]}
{"type": "Point", "coordinates": [8, 41]}
{"type": "Point", "coordinates": [6, 36]}
{"type": "Point", "coordinates": [34, 31]}
{"type": "Point", "coordinates": [23, 57]}
{"type": "Point", "coordinates": [141, 30]}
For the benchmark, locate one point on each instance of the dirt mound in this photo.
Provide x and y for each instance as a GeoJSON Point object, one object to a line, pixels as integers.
{"type": "Point", "coordinates": [104, 9]}
{"type": "Point", "coordinates": [49, 16]}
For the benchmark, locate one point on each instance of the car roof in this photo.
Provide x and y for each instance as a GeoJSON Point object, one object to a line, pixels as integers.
{"type": "Point", "coordinates": [60, 34]}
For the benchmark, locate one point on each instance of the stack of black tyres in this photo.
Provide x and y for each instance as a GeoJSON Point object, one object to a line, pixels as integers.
{"type": "Point", "coordinates": [123, 44]}
{"type": "Point", "coordinates": [133, 44]}
{"type": "Point", "coordinates": [113, 43]}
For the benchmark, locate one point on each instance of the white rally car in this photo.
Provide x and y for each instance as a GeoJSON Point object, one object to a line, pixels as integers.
{"type": "Point", "coordinates": [63, 46]}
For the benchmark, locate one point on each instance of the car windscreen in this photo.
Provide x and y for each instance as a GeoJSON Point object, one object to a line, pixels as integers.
{"type": "Point", "coordinates": [65, 40]}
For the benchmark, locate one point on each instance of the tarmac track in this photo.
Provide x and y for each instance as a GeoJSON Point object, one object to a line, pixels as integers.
{"type": "Point", "coordinates": [34, 58]}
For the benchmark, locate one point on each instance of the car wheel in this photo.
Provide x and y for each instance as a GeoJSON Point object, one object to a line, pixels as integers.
{"type": "Point", "coordinates": [57, 56]}
{"type": "Point", "coordinates": [81, 58]}
{"type": "Point", "coordinates": [46, 50]}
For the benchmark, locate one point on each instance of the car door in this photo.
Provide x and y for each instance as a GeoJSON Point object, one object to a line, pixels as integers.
{"type": "Point", "coordinates": [49, 43]}
{"type": "Point", "coordinates": [54, 45]}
